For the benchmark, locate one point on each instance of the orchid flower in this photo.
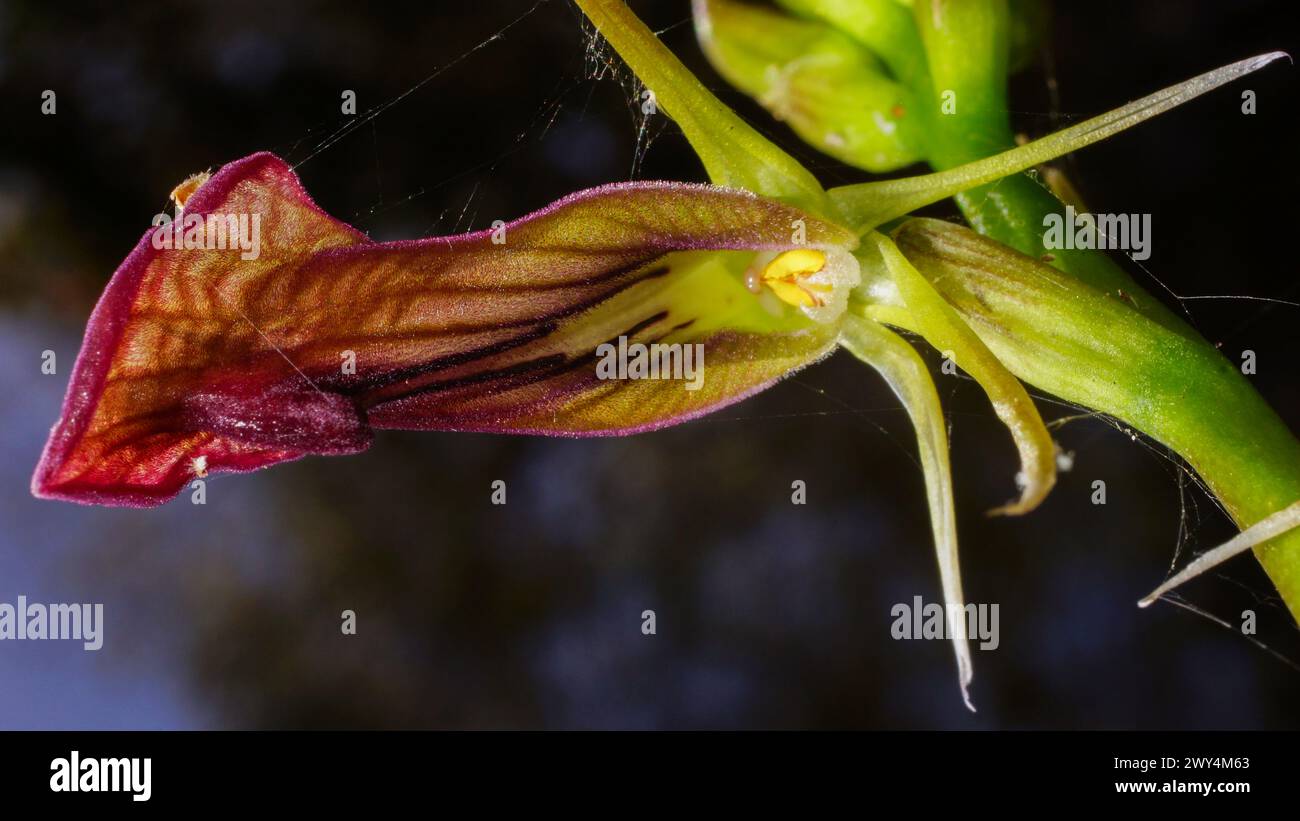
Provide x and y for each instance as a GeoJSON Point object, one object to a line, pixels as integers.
{"type": "Point", "coordinates": [200, 360]}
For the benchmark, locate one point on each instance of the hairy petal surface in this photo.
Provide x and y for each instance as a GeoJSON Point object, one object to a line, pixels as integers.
{"type": "Point", "coordinates": [197, 360]}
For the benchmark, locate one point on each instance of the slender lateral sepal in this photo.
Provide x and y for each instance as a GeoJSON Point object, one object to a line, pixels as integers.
{"type": "Point", "coordinates": [873, 203]}
{"type": "Point", "coordinates": [905, 371]}
{"type": "Point", "coordinates": [944, 328]}
{"type": "Point", "coordinates": [1284, 520]}
{"type": "Point", "coordinates": [733, 153]}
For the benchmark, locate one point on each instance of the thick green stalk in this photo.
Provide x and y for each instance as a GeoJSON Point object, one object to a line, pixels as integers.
{"type": "Point", "coordinates": [967, 44]}
{"type": "Point", "coordinates": [1173, 386]}
{"type": "Point", "coordinates": [1135, 359]}
{"type": "Point", "coordinates": [1086, 346]}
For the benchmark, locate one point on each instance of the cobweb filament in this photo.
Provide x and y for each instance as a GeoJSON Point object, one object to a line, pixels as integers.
{"type": "Point", "coordinates": [601, 63]}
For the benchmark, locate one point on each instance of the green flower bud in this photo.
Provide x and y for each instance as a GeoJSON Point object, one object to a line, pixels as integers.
{"type": "Point", "coordinates": [883, 27]}
{"type": "Point", "coordinates": [829, 89]}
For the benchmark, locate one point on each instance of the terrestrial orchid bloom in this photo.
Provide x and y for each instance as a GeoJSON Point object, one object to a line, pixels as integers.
{"type": "Point", "coordinates": [201, 360]}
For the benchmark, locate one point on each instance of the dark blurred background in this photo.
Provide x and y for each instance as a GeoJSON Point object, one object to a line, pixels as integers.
{"type": "Point", "coordinates": [529, 615]}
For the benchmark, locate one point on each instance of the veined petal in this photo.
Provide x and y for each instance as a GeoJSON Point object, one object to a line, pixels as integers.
{"type": "Point", "coordinates": [906, 374]}
{"type": "Point", "coordinates": [733, 153]}
{"type": "Point", "coordinates": [870, 204]}
{"type": "Point", "coordinates": [943, 327]}
{"type": "Point", "coordinates": [197, 359]}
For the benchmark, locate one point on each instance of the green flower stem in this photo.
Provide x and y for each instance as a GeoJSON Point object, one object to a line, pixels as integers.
{"type": "Point", "coordinates": [1089, 347]}
{"type": "Point", "coordinates": [967, 46]}
{"type": "Point", "coordinates": [1167, 381]}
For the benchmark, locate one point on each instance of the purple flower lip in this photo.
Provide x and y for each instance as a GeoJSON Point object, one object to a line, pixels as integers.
{"type": "Point", "coordinates": [197, 360]}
